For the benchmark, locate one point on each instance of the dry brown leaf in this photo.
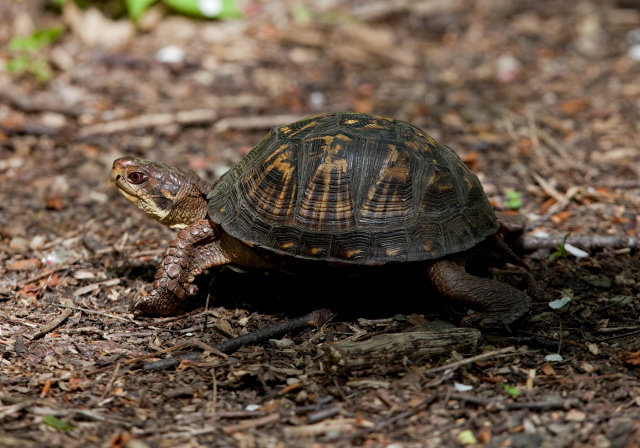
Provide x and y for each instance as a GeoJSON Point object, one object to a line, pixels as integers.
{"type": "Point", "coordinates": [544, 208]}
{"type": "Point", "coordinates": [29, 264]}
{"type": "Point", "coordinates": [560, 217]}
{"type": "Point", "coordinates": [548, 370]}
{"type": "Point", "coordinates": [574, 106]}
{"type": "Point", "coordinates": [632, 358]}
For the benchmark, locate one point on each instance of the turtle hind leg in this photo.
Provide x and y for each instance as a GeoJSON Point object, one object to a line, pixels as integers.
{"type": "Point", "coordinates": [496, 304]}
{"type": "Point", "coordinates": [495, 248]}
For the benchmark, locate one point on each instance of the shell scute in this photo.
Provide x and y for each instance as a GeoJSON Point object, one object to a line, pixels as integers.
{"type": "Point", "coordinates": [353, 188]}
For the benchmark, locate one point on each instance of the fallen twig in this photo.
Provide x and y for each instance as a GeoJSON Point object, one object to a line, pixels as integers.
{"type": "Point", "coordinates": [149, 120]}
{"type": "Point", "coordinates": [55, 323]}
{"type": "Point", "coordinates": [140, 358]}
{"type": "Point", "coordinates": [100, 313]}
{"type": "Point", "coordinates": [531, 243]}
{"type": "Point", "coordinates": [248, 424]}
{"type": "Point", "coordinates": [618, 336]}
{"type": "Point", "coordinates": [513, 405]}
{"type": "Point", "coordinates": [257, 122]}
{"type": "Point", "coordinates": [46, 273]}
{"type": "Point", "coordinates": [482, 357]}
{"type": "Point", "coordinates": [387, 352]}
{"type": "Point", "coordinates": [231, 345]}
{"type": "Point", "coordinates": [323, 414]}
{"type": "Point", "coordinates": [26, 103]}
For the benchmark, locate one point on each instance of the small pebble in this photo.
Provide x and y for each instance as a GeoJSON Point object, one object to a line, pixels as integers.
{"type": "Point", "coordinates": [171, 54]}
{"type": "Point", "coordinates": [557, 304]}
{"type": "Point", "coordinates": [462, 387]}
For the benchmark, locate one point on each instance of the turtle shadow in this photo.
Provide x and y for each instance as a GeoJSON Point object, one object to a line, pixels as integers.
{"type": "Point", "coordinates": [381, 293]}
{"type": "Point", "coordinates": [371, 293]}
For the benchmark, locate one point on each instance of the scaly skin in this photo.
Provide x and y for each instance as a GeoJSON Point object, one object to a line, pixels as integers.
{"type": "Point", "coordinates": [498, 305]}
{"type": "Point", "coordinates": [193, 250]}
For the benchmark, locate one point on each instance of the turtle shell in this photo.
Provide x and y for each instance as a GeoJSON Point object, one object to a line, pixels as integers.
{"type": "Point", "coordinates": [353, 188]}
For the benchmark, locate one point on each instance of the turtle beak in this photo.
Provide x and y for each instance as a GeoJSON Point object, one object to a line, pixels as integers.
{"type": "Point", "coordinates": [118, 176]}
{"type": "Point", "coordinates": [119, 167]}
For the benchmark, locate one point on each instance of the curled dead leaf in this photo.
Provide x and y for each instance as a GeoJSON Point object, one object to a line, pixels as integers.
{"type": "Point", "coordinates": [632, 358]}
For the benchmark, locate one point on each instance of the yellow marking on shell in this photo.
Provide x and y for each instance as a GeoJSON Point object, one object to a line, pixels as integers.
{"type": "Point", "coordinates": [351, 121]}
{"type": "Point", "coordinates": [393, 251]}
{"type": "Point", "coordinates": [317, 250]}
{"type": "Point", "coordinates": [390, 170]}
{"type": "Point", "coordinates": [469, 182]}
{"type": "Point", "coordinates": [282, 202]}
{"type": "Point", "coordinates": [276, 161]}
{"type": "Point", "coordinates": [428, 245]}
{"type": "Point", "coordinates": [374, 125]}
{"type": "Point", "coordinates": [303, 128]}
{"type": "Point", "coordinates": [428, 138]}
{"type": "Point", "coordinates": [412, 144]}
{"type": "Point", "coordinates": [334, 163]}
{"type": "Point", "coordinates": [353, 253]}
{"type": "Point", "coordinates": [287, 245]}
{"type": "Point", "coordinates": [285, 129]}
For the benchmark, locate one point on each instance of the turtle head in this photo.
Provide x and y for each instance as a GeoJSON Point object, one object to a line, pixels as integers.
{"type": "Point", "coordinates": [174, 197]}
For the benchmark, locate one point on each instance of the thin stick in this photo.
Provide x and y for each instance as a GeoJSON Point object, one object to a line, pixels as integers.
{"type": "Point", "coordinates": [257, 122]}
{"type": "Point", "coordinates": [141, 358]}
{"type": "Point", "coordinates": [248, 424]}
{"type": "Point", "coordinates": [466, 361]}
{"type": "Point", "coordinates": [46, 273]}
{"type": "Point", "coordinates": [149, 120]}
{"type": "Point", "coordinates": [618, 336]}
{"type": "Point", "coordinates": [112, 316]}
{"type": "Point", "coordinates": [213, 404]}
{"type": "Point", "coordinates": [107, 389]}
{"type": "Point", "coordinates": [231, 345]}
{"type": "Point", "coordinates": [55, 323]}
{"type": "Point", "coordinates": [531, 243]}
{"type": "Point", "coordinates": [542, 405]}
{"type": "Point", "coordinates": [268, 331]}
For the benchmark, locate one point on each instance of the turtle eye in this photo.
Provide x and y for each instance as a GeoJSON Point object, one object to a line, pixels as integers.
{"type": "Point", "coordinates": [136, 177]}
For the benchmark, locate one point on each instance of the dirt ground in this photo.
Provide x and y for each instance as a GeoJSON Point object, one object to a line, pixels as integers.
{"type": "Point", "coordinates": [541, 99]}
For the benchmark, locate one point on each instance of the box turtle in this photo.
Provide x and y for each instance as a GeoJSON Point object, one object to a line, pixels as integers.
{"type": "Point", "coordinates": [335, 189]}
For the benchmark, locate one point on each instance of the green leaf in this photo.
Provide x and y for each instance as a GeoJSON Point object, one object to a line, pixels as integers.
{"type": "Point", "coordinates": [36, 40]}
{"type": "Point", "coordinates": [561, 252]}
{"type": "Point", "coordinates": [18, 65]}
{"type": "Point", "coordinates": [47, 35]}
{"type": "Point", "coordinates": [301, 14]}
{"type": "Point", "coordinates": [56, 423]}
{"type": "Point", "coordinates": [514, 200]}
{"type": "Point", "coordinates": [40, 69]}
{"type": "Point", "coordinates": [511, 390]}
{"type": "Point", "coordinates": [58, 4]}
{"type": "Point", "coordinates": [466, 437]}
{"type": "Point", "coordinates": [136, 8]}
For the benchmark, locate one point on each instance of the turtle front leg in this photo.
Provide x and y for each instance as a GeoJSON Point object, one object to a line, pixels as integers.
{"type": "Point", "coordinates": [194, 249]}
{"type": "Point", "coordinates": [496, 304]}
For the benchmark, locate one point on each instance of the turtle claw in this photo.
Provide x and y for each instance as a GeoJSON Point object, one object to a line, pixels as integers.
{"type": "Point", "coordinates": [156, 303]}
